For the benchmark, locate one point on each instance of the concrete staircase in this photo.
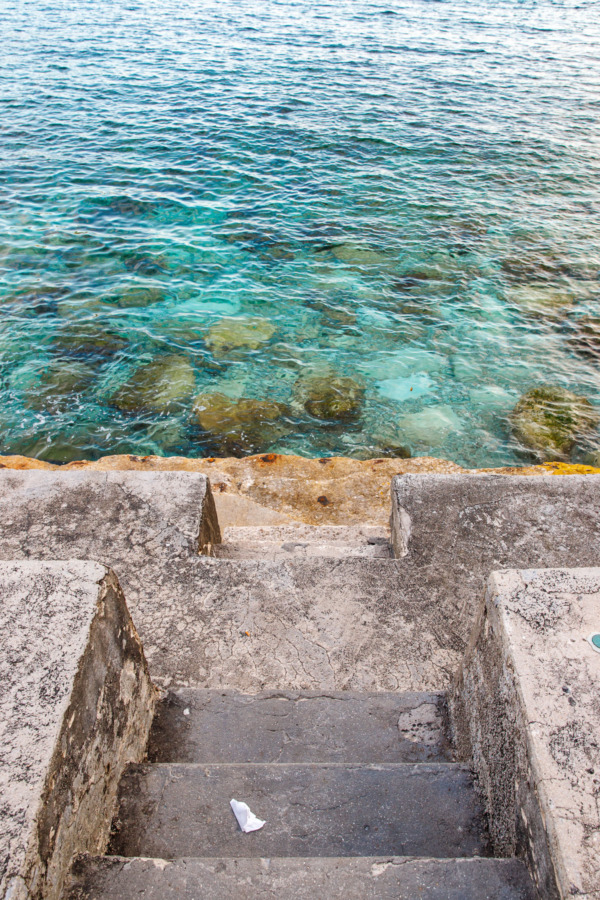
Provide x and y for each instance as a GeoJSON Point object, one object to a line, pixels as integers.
{"type": "Point", "coordinates": [304, 671]}
{"type": "Point", "coordinates": [360, 792]}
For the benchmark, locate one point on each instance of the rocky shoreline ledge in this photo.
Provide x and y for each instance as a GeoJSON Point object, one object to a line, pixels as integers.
{"type": "Point", "coordinates": [273, 489]}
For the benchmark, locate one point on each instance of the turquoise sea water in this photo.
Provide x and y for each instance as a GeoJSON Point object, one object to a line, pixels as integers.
{"type": "Point", "coordinates": [406, 191]}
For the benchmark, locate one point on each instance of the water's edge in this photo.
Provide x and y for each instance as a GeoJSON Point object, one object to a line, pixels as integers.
{"type": "Point", "coordinates": [275, 489]}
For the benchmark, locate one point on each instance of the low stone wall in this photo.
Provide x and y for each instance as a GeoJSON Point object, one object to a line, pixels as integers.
{"type": "Point", "coordinates": [76, 706]}
{"type": "Point", "coordinates": [525, 710]}
{"type": "Point", "coordinates": [274, 489]}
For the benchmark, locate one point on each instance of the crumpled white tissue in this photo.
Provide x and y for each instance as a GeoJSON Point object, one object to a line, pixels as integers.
{"type": "Point", "coordinates": [246, 818]}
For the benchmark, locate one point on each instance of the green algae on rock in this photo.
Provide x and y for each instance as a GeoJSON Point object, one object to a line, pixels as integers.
{"type": "Point", "coordinates": [161, 386]}
{"type": "Point", "coordinates": [239, 426]}
{"type": "Point", "coordinates": [234, 334]}
{"type": "Point", "coordinates": [359, 255]}
{"type": "Point", "coordinates": [549, 419]}
{"type": "Point", "coordinates": [331, 398]}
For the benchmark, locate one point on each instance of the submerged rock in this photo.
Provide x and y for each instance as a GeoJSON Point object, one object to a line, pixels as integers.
{"type": "Point", "coordinates": [586, 339]}
{"type": "Point", "coordinates": [140, 297]}
{"type": "Point", "coordinates": [540, 299]}
{"type": "Point", "coordinates": [59, 385]}
{"type": "Point", "coordinates": [160, 386]}
{"type": "Point", "coordinates": [548, 420]}
{"type": "Point", "coordinates": [430, 427]}
{"type": "Point", "coordinates": [330, 397]}
{"type": "Point", "coordinates": [359, 255]}
{"type": "Point", "coordinates": [233, 334]}
{"type": "Point", "coordinates": [383, 450]}
{"type": "Point", "coordinates": [145, 264]}
{"type": "Point", "coordinates": [89, 341]}
{"type": "Point", "coordinates": [239, 427]}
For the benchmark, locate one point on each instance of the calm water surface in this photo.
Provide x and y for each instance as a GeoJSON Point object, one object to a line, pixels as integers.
{"type": "Point", "coordinates": [401, 193]}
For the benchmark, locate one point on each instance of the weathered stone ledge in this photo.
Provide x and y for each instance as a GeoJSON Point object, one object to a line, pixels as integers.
{"type": "Point", "coordinates": [75, 709]}
{"type": "Point", "coordinates": [525, 710]}
{"type": "Point", "coordinates": [271, 489]}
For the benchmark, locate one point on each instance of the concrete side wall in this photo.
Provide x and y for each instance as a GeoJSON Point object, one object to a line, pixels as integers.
{"type": "Point", "coordinates": [524, 709]}
{"type": "Point", "coordinates": [119, 518]}
{"type": "Point", "coordinates": [450, 531]}
{"type": "Point", "coordinates": [77, 706]}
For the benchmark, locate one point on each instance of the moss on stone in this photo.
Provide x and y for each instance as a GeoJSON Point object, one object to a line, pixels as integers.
{"type": "Point", "coordinates": [549, 419]}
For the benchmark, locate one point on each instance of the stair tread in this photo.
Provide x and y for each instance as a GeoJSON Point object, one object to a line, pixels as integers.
{"type": "Point", "coordinates": [294, 624]}
{"type": "Point", "coordinates": [299, 548]}
{"type": "Point", "coordinates": [325, 809]}
{"type": "Point", "coordinates": [207, 726]}
{"type": "Point", "coordinates": [302, 532]}
{"type": "Point", "coordinates": [374, 878]}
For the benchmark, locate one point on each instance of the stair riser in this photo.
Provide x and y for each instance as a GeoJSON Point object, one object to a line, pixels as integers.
{"type": "Point", "coordinates": [299, 549]}
{"type": "Point", "coordinates": [196, 726]}
{"type": "Point", "coordinates": [312, 810]}
{"type": "Point", "coordinates": [384, 878]}
{"type": "Point", "coordinates": [346, 534]}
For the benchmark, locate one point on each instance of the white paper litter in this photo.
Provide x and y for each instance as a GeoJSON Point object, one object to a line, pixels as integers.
{"type": "Point", "coordinates": [246, 818]}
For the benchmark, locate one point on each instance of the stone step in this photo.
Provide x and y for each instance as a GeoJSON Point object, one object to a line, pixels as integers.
{"type": "Point", "coordinates": [316, 534]}
{"type": "Point", "coordinates": [202, 726]}
{"type": "Point", "coordinates": [297, 624]}
{"type": "Point", "coordinates": [375, 878]}
{"type": "Point", "coordinates": [289, 549]}
{"type": "Point", "coordinates": [174, 810]}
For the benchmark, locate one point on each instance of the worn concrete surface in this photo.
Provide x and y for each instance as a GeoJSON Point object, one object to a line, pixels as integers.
{"type": "Point", "coordinates": [200, 726]}
{"type": "Point", "coordinates": [139, 523]}
{"type": "Point", "coordinates": [375, 878]}
{"type": "Point", "coordinates": [451, 531]}
{"type": "Point", "coordinates": [114, 516]}
{"type": "Point", "coordinates": [271, 489]}
{"type": "Point", "coordinates": [310, 534]}
{"type": "Point", "coordinates": [290, 541]}
{"type": "Point", "coordinates": [298, 549]}
{"type": "Point", "coordinates": [75, 707]}
{"type": "Point", "coordinates": [308, 624]}
{"type": "Point", "coordinates": [428, 809]}
{"type": "Point", "coordinates": [526, 707]}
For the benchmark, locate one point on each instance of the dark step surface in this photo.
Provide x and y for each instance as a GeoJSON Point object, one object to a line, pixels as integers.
{"type": "Point", "coordinates": [202, 726]}
{"type": "Point", "coordinates": [383, 878]}
{"type": "Point", "coordinates": [427, 809]}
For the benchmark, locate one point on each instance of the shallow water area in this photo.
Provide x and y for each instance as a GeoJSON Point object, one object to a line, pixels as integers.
{"type": "Point", "coordinates": [260, 200]}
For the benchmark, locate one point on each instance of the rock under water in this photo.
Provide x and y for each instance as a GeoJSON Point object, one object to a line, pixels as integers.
{"type": "Point", "coordinates": [237, 427]}
{"type": "Point", "coordinates": [331, 398]}
{"type": "Point", "coordinates": [548, 420]}
{"type": "Point", "coordinates": [163, 385]}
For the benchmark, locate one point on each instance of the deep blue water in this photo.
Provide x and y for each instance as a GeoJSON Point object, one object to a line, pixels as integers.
{"type": "Point", "coordinates": [404, 193]}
